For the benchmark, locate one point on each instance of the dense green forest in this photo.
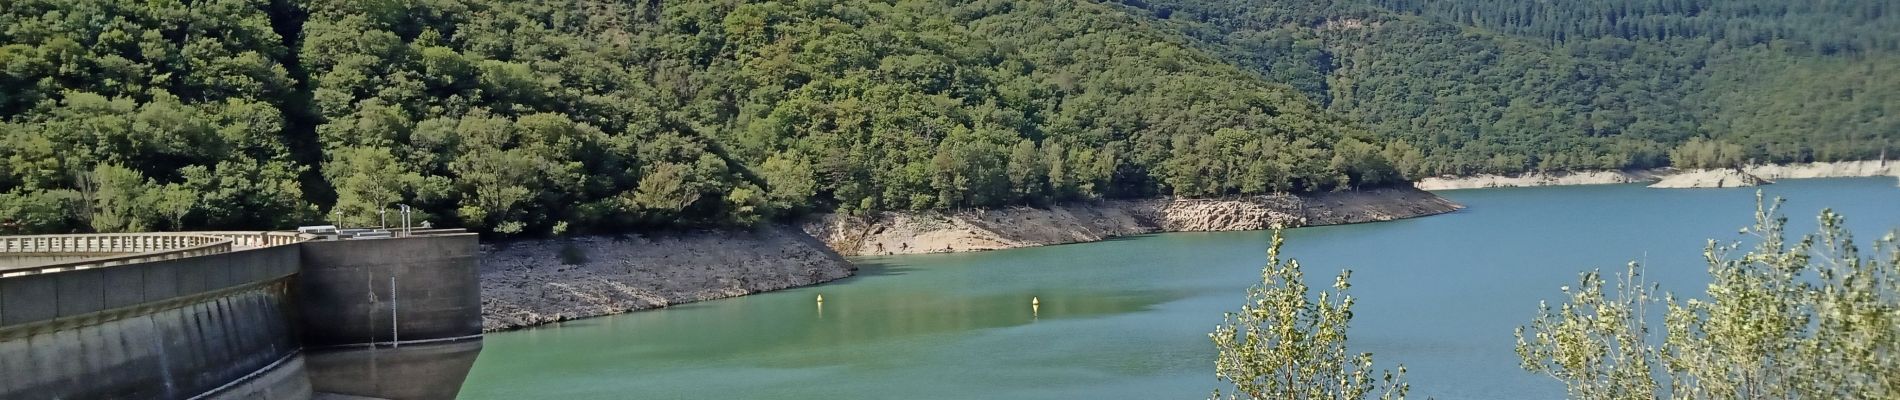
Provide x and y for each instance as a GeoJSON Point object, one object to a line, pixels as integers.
{"type": "Point", "coordinates": [1485, 86]}
{"type": "Point", "coordinates": [1827, 27]}
{"type": "Point", "coordinates": [555, 116]}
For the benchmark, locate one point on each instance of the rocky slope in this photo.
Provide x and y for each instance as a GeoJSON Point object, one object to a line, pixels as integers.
{"type": "Point", "coordinates": [938, 232]}
{"type": "Point", "coordinates": [533, 282]}
{"type": "Point", "coordinates": [1710, 178]}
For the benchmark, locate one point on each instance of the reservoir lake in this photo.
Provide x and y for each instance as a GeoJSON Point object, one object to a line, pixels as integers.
{"type": "Point", "coordinates": [1128, 318]}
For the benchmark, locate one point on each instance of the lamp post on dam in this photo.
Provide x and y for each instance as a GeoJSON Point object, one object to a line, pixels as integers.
{"type": "Point", "coordinates": [255, 315]}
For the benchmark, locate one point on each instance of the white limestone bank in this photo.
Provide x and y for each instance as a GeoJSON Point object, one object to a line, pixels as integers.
{"type": "Point", "coordinates": [1844, 169]}
{"type": "Point", "coordinates": [975, 230]}
{"type": "Point", "coordinates": [1534, 179]}
{"type": "Point", "coordinates": [532, 282]}
{"type": "Point", "coordinates": [1710, 178]}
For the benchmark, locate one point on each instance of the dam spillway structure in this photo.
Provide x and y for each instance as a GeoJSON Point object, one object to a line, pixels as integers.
{"type": "Point", "coordinates": [239, 315]}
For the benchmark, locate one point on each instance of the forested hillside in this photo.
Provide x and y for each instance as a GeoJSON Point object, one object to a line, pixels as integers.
{"type": "Point", "coordinates": [123, 115]}
{"type": "Point", "coordinates": [1826, 27]}
{"type": "Point", "coordinates": [1483, 86]}
{"type": "Point", "coordinates": [552, 116]}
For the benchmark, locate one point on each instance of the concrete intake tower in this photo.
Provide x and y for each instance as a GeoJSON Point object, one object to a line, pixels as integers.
{"type": "Point", "coordinates": [238, 315]}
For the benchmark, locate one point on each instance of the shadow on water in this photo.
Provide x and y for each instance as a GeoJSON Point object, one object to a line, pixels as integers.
{"type": "Point", "coordinates": [1123, 238]}
{"type": "Point", "coordinates": [848, 319]}
{"type": "Point", "coordinates": [868, 269]}
{"type": "Point", "coordinates": [579, 323]}
{"type": "Point", "coordinates": [805, 333]}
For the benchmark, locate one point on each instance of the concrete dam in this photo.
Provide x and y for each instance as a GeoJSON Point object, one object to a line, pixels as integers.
{"type": "Point", "coordinates": [238, 315]}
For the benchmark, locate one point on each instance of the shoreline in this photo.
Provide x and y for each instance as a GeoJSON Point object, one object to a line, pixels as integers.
{"type": "Point", "coordinates": [532, 282]}
{"type": "Point", "coordinates": [1842, 169]}
{"type": "Point", "coordinates": [898, 233]}
{"type": "Point", "coordinates": [527, 283]}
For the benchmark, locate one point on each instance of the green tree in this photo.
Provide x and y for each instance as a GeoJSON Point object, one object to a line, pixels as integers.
{"type": "Point", "coordinates": [24, 212]}
{"type": "Point", "coordinates": [174, 202]}
{"type": "Point", "coordinates": [790, 178]}
{"type": "Point", "coordinates": [1706, 153]}
{"type": "Point", "coordinates": [1807, 318]}
{"type": "Point", "coordinates": [1596, 344]}
{"type": "Point", "coordinates": [368, 180]}
{"type": "Point", "coordinates": [1285, 343]}
{"type": "Point", "coordinates": [1027, 174]}
{"type": "Point", "coordinates": [666, 190]}
{"type": "Point", "coordinates": [120, 202]}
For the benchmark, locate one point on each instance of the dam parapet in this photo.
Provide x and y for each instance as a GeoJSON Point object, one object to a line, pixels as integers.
{"type": "Point", "coordinates": [256, 315]}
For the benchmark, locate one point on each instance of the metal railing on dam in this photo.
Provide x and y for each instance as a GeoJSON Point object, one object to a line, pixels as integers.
{"type": "Point", "coordinates": [246, 240]}
{"type": "Point", "coordinates": [73, 252]}
{"type": "Point", "coordinates": [103, 243]}
{"type": "Point", "coordinates": [53, 253]}
{"type": "Point", "coordinates": [272, 315]}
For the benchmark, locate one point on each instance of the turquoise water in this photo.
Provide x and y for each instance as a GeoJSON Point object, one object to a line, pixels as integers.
{"type": "Point", "coordinates": [1128, 318]}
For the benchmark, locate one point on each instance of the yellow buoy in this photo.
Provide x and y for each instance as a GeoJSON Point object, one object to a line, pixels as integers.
{"type": "Point", "coordinates": [821, 298]}
{"type": "Point", "coordinates": [1035, 301]}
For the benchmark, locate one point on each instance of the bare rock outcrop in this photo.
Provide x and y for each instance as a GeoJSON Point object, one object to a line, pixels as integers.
{"type": "Point", "coordinates": [1218, 215]}
{"type": "Point", "coordinates": [1340, 208]}
{"type": "Point", "coordinates": [531, 282]}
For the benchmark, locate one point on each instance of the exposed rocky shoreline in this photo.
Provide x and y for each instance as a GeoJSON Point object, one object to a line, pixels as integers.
{"type": "Point", "coordinates": [532, 282]}
{"type": "Point", "coordinates": [1709, 179]}
{"type": "Point", "coordinates": [976, 230]}
{"type": "Point", "coordinates": [1536, 179]}
{"type": "Point", "coordinates": [1844, 169]}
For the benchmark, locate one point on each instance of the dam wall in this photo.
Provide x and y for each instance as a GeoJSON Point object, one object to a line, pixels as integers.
{"type": "Point", "coordinates": [279, 321]}
{"type": "Point", "coordinates": [174, 328]}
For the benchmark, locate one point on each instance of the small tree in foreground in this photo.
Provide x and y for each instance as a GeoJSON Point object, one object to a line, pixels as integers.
{"type": "Point", "coordinates": [1808, 319]}
{"type": "Point", "coordinates": [1285, 344]}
